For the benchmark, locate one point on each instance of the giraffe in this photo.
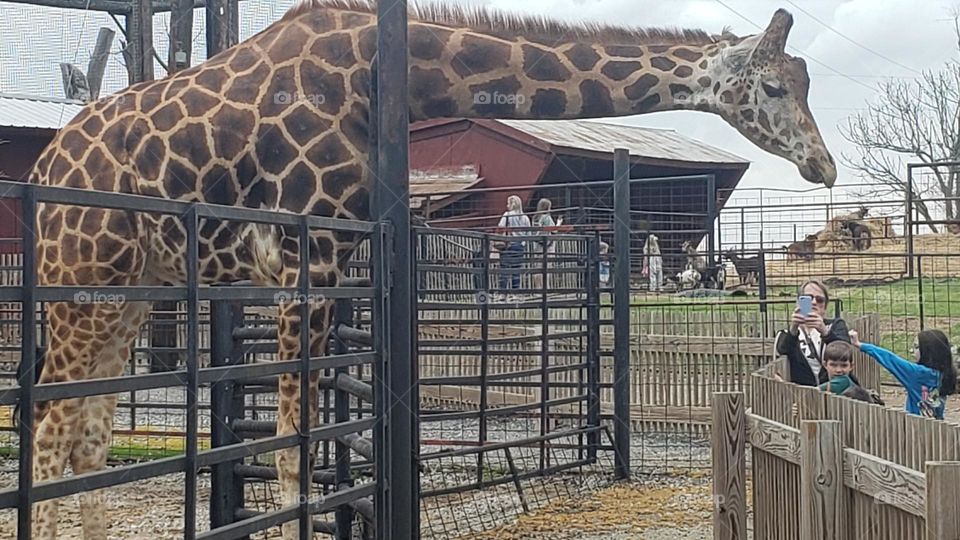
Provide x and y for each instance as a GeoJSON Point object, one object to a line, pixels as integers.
{"type": "Point", "coordinates": [280, 121]}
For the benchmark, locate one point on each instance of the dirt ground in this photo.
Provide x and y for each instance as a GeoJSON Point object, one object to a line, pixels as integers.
{"type": "Point", "coordinates": [654, 508]}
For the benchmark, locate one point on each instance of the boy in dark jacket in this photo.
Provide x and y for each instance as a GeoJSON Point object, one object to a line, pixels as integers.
{"type": "Point", "coordinates": [804, 340]}
{"type": "Point", "coordinates": [837, 362]}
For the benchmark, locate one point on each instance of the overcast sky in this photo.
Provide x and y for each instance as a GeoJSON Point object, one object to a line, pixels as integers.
{"type": "Point", "coordinates": [844, 52]}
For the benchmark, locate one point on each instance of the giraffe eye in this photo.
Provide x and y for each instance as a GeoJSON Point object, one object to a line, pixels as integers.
{"type": "Point", "coordinates": [773, 90]}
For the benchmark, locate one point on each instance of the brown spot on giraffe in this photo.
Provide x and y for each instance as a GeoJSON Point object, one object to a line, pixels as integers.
{"type": "Point", "coordinates": [662, 63]}
{"type": "Point", "coordinates": [583, 57]}
{"type": "Point", "coordinates": [642, 86]}
{"type": "Point", "coordinates": [683, 72]}
{"type": "Point", "coordinates": [596, 99]}
{"type": "Point", "coordinates": [478, 56]}
{"type": "Point", "coordinates": [617, 70]}
{"type": "Point", "coordinates": [687, 54]}
{"type": "Point", "coordinates": [543, 65]}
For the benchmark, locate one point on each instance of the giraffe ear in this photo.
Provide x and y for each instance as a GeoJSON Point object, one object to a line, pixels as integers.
{"type": "Point", "coordinates": [774, 39]}
{"type": "Point", "coordinates": [737, 56]}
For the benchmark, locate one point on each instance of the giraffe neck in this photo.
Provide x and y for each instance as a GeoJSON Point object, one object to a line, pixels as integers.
{"type": "Point", "coordinates": [486, 77]}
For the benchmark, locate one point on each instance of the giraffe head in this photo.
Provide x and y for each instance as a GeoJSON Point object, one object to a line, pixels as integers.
{"type": "Point", "coordinates": [763, 94]}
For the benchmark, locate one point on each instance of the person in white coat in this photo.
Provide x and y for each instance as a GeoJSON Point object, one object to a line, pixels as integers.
{"type": "Point", "coordinates": [654, 262]}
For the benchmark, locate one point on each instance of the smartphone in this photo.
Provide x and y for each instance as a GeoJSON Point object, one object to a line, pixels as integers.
{"type": "Point", "coordinates": [805, 303]}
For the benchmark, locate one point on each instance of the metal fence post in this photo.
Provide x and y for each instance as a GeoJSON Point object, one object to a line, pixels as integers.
{"type": "Point", "coordinates": [392, 195]}
{"type": "Point", "coordinates": [621, 286]}
{"type": "Point", "coordinates": [303, 289]}
{"type": "Point", "coordinates": [193, 365]}
{"type": "Point", "coordinates": [593, 342]}
{"type": "Point", "coordinates": [344, 515]}
{"type": "Point", "coordinates": [226, 405]}
{"type": "Point", "coordinates": [711, 218]}
{"type": "Point", "coordinates": [29, 359]}
{"type": "Point", "coordinates": [908, 220]}
{"type": "Point", "coordinates": [762, 286]}
{"type": "Point", "coordinates": [484, 347]}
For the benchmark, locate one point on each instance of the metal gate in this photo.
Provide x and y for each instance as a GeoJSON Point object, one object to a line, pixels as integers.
{"type": "Point", "coordinates": [240, 430]}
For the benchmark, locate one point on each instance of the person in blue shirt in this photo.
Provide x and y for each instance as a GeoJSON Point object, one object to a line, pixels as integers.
{"type": "Point", "coordinates": [928, 381]}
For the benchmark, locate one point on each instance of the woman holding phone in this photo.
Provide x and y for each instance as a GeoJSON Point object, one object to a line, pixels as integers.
{"type": "Point", "coordinates": [809, 332]}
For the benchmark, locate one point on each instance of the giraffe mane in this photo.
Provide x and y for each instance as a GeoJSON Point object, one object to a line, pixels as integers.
{"type": "Point", "coordinates": [506, 24]}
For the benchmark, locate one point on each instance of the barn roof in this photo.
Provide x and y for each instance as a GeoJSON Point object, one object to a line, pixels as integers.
{"type": "Point", "coordinates": [21, 111]}
{"type": "Point", "coordinates": [646, 142]}
{"type": "Point", "coordinates": [597, 139]}
{"type": "Point", "coordinates": [441, 185]}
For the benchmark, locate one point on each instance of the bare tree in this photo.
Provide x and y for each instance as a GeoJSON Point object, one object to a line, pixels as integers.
{"type": "Point", "coordinates": [912, 121]}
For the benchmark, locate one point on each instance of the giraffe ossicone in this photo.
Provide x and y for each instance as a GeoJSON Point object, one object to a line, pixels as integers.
{"type": "Point", "coordinates": [280, 122]}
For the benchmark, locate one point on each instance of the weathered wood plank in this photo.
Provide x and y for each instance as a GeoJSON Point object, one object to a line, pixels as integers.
{"type": "Point", "coordinates": [705, 344]}
{"type": "Point", "coordinates": [821, 481]}
{"type": "Point", "coordinates": [885, 481]}
{"type": "Point", "coordinates": [943, 500]}
{"type": "Point", "coordinates": [774, 438]}
{"type": "Point", "coordinates": [729, 466]}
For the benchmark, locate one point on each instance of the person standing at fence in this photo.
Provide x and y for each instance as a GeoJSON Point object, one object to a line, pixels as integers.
{"type": "Point", "coordinates": [511, 251]}
{"type": "Point", "coordinates": [805, 338]}
{"type": "Point", "coordinates": [929, 381]}
{"type": "Point", "coordinates": [544, 221]}
{"type": "Point", "coordinates": [653, 262]}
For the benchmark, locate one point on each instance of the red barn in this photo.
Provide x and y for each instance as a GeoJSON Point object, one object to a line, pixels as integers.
{"type": "Point", "coordinates": [531, 157]}
{"type": "Point", "coordinates": [27, 125]}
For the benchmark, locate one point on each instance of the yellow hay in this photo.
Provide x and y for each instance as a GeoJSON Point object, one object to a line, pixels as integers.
{"type": "Point", "coordinates": [939, 257]}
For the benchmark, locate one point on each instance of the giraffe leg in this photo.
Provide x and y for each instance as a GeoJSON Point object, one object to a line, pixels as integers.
{"type": "Point", "coordinates": [90, 448]}
{"type": "Point", "coordinates": [94, 429]}
{"type": "Point", "coordinates": [288, 417]}
{"type": "Point", "coordinates": [86, 341]}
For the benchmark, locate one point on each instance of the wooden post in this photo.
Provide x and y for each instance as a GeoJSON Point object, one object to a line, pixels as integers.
{"type": "Point", "coordinates": [139, 52]}
{"type": "Point", "coordinates": [181, 35]}
{"type": "Point", "coordinates": [943, 500]}
{"type": "Point", "coordinates": [223, 21]}
{"type": "Point", "coordinates": [729, 447]}
{"type": "Point", "coordinates": [98, 62]}
{"type": "Point", "coordinates": [75, 84]}
{"type": "Point", "coordinates": [821, 481]}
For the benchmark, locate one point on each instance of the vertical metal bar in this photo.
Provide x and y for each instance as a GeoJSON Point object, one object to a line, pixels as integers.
{"type": "Point", "coordinates": [711, 217]}
{"type": "Point", "coordinates": [344, 514]}
{"type": "Point", "coordinates": [306, 475]}
{"type": "Point", "coordinates": [920, 290]}
{"type": "Point", "coordinates": [393, 195]}
{"type": "Point", "coordinates": [908, 219]}
{"type": "Point", "coordinates": [743, 231]}
{"type": "Point", "coordinates": [484, 348]}
{"type": "Point", "coordinates": [762, 285]}
{"type": "Point", "coordinates": [593, 341]}
{"type": "Point", "coordinates": [226, 405]}
{"type": "Point", "coordinates": [621, 308]}
{"type": "Point", "coordinates": [544, 357]}
{"type": "Point", "coordinates": [193, 311]}
{"type": "Point", "coordinates": [28, 355]}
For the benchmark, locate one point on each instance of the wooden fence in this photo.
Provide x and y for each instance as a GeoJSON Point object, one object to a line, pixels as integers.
{"type": "Point", "coordinates": [828, 467]}
{"type": "Point", "coordinates": [673, 377]}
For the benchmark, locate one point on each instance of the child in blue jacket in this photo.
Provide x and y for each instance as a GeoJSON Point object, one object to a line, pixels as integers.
{"type": "Point", "coordinates": [928, 381]}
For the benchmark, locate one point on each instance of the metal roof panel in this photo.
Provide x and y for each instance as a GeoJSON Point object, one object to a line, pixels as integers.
{"type": "Point", "coordinates": [640, 141]}
{"type": "Point", "coordinates": [36, 112]}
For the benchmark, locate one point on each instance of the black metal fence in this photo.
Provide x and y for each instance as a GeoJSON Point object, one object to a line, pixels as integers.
{"type": "Point", "coordinates": [508, 356]}
{"type": "Point", "coordinates": [224, 375]}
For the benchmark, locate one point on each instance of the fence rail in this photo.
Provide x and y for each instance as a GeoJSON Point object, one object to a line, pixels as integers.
{"type": "Point", "coordinates": [827, 466]}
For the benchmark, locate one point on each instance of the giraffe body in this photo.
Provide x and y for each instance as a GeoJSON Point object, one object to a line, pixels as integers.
{"type": "Point", "coordinates": [280, 122]}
